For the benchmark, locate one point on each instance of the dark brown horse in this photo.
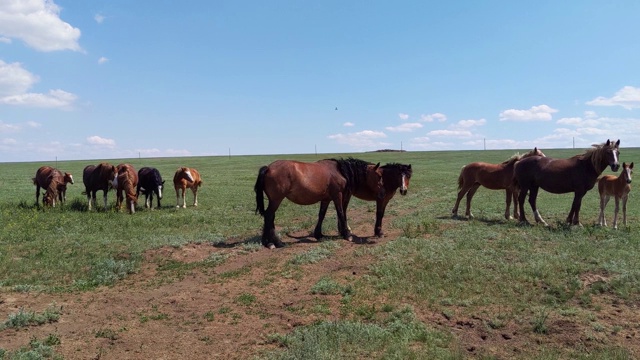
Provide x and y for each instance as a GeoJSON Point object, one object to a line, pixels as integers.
{"type": "Point", "coordinates": [306, 183]}
{"type": "Point", "coordinates": [45, 175]}
{"type": "Point", "coordinates": [493, 177]}
{"type": "Point", "coordinates": [186, 178]}
{"type": "Point", "coordinates": [97, 178]}
{"type": "Point", "coordinates": [126, 182]}
{"type": "Point", "coordinates": [618, 187]}
{"type": "Point", "coordinates": [577, 174]}
{"type": "Point", "coordinates": [394, 176]}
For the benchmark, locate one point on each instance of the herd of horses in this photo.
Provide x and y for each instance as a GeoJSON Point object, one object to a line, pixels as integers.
{"type": "Point", "coordinates": [127, 183]}
{"type": "Point", "coordinates": [338, 180]}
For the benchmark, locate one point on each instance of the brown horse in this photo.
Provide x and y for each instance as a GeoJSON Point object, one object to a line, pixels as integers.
{"type": "Point", "coordinates": [577, 174]}
{"type": "Point", "coordinates": [45, 175]}
{"type": "Point", "coordinates": [618, 187]}
{"type": "Point", "coordinates": [126, 181]}
{"type": "Point", "coordinates": [493, 177]}
{"type": "Point", "coordinates": [186, 178]}
{"type": "Point", "coordinates": [394, 176]}
{"type": "Point", "coordinates": [306, 184]}
{"type": "Point", "coordinates": [97, 178]}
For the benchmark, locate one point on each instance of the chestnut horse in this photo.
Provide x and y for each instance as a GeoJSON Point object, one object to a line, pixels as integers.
{"type": "Point", "coordinates": [493, 177]}
{"type": "Point", "coordinates": [306, 183]}
{"type": "Point", "coordinates": [577, 174]}
{"type": "Point", "coordinates": [97, 178]}
{"type": "Point", "coordinates": [618, 187]}
{"type": "Point", "coordinates": [45, 175]}
{"type": "Point", "coordinates": [186, 178]}
{"type": "Point", "coordinates": [126, 181]}
{"type": "Point", "coordinates": [150, 182]}
{"type": "Point", "coordinates": [394, 176]}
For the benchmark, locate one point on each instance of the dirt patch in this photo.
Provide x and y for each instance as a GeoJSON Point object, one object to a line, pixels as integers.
{"type": "Point", "coordinates": [228, 311]}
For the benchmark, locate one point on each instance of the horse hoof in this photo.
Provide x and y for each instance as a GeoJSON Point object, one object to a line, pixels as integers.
{"type": "Point", "coordinates": [350, 238]}
{"type": "Point", "coordinates": [271, 246]}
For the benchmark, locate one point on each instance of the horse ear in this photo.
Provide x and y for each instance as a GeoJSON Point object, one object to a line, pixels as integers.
{"type": "Point", "coordinates": [618, 143]}
{"type": "Point", "coordinates": [377, 166]}
{"type": "Point", "coordinates": [631, 165]}
{"type": "Point", "coordinates": [608, 142]}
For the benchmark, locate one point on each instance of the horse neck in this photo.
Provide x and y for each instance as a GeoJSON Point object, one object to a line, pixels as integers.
{"type": "Point", "coordinates": [597, 160]}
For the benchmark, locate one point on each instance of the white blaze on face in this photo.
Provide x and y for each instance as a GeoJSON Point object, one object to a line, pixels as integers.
{"type": "Point", "coordinates": [71, 178]}
{"type": "Point", "coordinates": [160, 191]}
{"type": "Point", "coordinates": [188, 174]}
{"type": "Point", "coordinates": [114, 183]}
{"type": "Point", "coordinates": [403, 187]}
{"type": "Point", "coordinates": [628, 171]}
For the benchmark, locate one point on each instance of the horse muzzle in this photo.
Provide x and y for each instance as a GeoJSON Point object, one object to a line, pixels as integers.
{"type": "Point", "coordinates": [615, 167]}
{"type": "Point", "coordinates": [403, 191]}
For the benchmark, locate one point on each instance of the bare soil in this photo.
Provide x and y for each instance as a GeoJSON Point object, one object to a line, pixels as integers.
{"type": "Point", "coordinates": [200, 313]}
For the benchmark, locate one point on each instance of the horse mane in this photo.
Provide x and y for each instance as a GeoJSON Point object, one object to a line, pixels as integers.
{"type": "Point", "coordinates": [515, 157]}
{"type": "Point", "coordinates": [354, 170]}
{"type": "Point", "coordinates": [398, 167]}
{"type": "Point", "coordinates": [594, 155]}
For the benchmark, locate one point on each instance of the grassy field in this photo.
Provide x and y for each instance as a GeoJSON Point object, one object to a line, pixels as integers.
{"type": "Point", "coordinates": [511, 274]}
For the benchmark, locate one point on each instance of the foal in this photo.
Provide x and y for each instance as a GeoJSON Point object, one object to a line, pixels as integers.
{"type": "Point", "coordinates": [618, 187]}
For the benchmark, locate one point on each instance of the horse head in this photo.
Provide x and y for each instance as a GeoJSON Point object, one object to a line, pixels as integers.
{"type": "Point", "coordinates": [406, 173]}
{"type": "Point", "coordinates": [68, 178]}
{"type": "Point", "coordinates": [186, 172]}
{"type": "Point", "coordinates": [611, 153]}
{"type": "Point", "coordinates": [627, 170]}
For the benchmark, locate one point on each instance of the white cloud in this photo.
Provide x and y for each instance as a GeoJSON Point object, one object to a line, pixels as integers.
{"type": "Point", "coordinates": [403, 116]}
{"type": "Point", "coordinates": [406, 127]}
{"type": "Point", "coordinates": [99, 18]}
{"type": "Point", "coordinates": [33, 124]}
{"type": "Point", "coordinates": [590, 114]}
{"type": "Point", "coordinates": [348, 124]}
{"type": "Point", "coordinates": [8, 141]}
{"type": "Point", "coordinates": [471, 123]}
{"type": "Point", "coordinates": [102, 60]}
{"type": "Point", "coordinates": [100, 141]}
{"type": "Point", "coordinates": [15, 83]}
{"type": "Point", "coordinates": [362, 139]}
{"type": "Point", "coordinates": [5, 40]}
{"type": "Point", "coordinates": [38, 24]}
{"type": "Point", "coordinates": [5, 128]}
{"type": "Point", "coordinates": [536, 113]}
{"type": "Point", "coordinates": [628, 97]}
{"type": "Point", "coordinates": [454, 133]}
{"type": "Point", "coordinates": [433, 117]}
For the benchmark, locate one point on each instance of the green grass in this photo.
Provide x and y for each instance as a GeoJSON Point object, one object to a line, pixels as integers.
{"type": "Point", "coordinates": [488, 267]}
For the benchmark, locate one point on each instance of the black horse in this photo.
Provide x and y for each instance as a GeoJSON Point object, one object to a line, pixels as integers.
{"type": "Point", "coordinates": [150, 181]}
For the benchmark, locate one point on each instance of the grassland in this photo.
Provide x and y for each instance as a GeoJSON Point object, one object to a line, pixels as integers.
{"type": "Point", "coordinates": [505, 277]}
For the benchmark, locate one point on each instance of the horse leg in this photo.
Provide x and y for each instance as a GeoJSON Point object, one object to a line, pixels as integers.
{"type": "Point", "coordinates": [105, 191]}
{"type": "Point", "coordinates": [533, 195]}
{"type": "Point", "coordinates": [342, 218]}
{"type": "Point", "coordinates": [461, 193]}
{"type": "Point", "coordinates": [574, 214]}
{"type": "Point", "coordinates": [624, 209]}
{"type": "Point", "coordinates": [158, 197]}
{"type": "Point", "coordinates": [515, 192]}
{"type": "Point", "coordinates": [317, 232]}
{"type": "Point", "coordinates": [470, 194]}
{"type": "Point", "coordinates": [508, 201]}
{"type": "Point", "coordinates": [38, 195]}
{"type": "Point", "coordinates": [89, 199]}
{"type": "Point", "coordinates": [269, 237]}
{"type": "Point", "coordinates": [195, 195]}
{"type": "Point", "coordinates": [381, 205]}
{"type": "Point", "coordinates": [615, 213]}
{"type": "Point", "coordinates": [522, 195]}
{"type": "Point", "coordinates": [602, 221]}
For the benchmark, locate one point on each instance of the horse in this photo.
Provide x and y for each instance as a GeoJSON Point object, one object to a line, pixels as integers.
{"type": "Point", "coordinates": [44, 176]}
{"type": "Point", "coordinates": [493, 177]}
{"type": "Point", "coordinates": [394, 176]}
{"type": "Point", "coordinates": [125, 182]}
{"type": "Point", "coordinates": [305, 183]}
{"type": "Point", "coordinates": [577, 174]}
{"type": "Point", "coordinates": [97, 178]}
{"type": "Point", "coordinates": [618, 187]}
{"type": "Point", "coordinates": [186, 178]}
{"type": "Point", "coordinates": [150, 182]}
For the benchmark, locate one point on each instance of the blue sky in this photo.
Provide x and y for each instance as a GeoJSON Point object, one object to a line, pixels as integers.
{"type": "Point", "coordinates": [111, 79]}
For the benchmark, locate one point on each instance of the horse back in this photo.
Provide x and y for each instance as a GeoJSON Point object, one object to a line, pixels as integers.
{"type": "Point", "coordinates": [491, 176]}
{"type": "Point", "coordinates": [302, 182]}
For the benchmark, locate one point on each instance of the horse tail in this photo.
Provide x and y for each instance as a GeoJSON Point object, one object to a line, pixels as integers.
{"type": "Point", "coordinates": [259, 189]}
{"type": "Point", "coordinates": [461, 179]}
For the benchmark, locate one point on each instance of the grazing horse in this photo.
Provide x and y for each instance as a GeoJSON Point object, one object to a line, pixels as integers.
{"type": "Point", "coordinates": [45, 175]}
{"type": "Point", "coordinates": [150, 182]}
{"type": "Point", "coordinates": [577, 174]}
{"type": "Point", "coordinates": [306, 183]}
{"type": "Point", "coordinates": [186, 178]}
{"type": "Point", "coordinates": [97, 178]}
{"type": "Point", "coordinates": [493, 177]}
{"type": "Point", "coordinates": [618, 187]}
{"type": "Point", "coordinates": [126, 181]}
{"type": "Point", "coordinates": [394, 176]}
